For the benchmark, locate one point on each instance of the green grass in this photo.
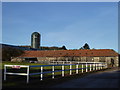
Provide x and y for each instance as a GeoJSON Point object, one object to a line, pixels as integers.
{"type": "Point", "coordinates": [47, 78]}
{"type": "Point", "coordinates": [18, 63]}
{"type": "Point", "coordinates": [35, 68]}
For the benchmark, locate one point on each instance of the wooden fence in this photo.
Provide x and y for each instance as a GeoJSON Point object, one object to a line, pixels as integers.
{"type": "Point", "coordinates": [83, 66]}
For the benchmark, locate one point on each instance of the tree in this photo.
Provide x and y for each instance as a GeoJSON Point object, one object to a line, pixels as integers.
{"type": "Point", "coordinates": [86, 46]}
{"type": "Point", "coordinates": [64, 48]}
{"type": "Point", "coordinates": [81, 48]}
{"type": "Point", "coordinates": [8, 52]}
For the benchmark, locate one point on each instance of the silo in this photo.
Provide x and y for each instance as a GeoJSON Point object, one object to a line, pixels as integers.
{"type": "Point", "coordinates": [35, 40]}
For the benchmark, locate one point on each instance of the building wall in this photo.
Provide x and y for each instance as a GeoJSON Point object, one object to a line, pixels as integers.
{"type": "Point", "coordinates": [81, 59]}
{"type": "Point", "coordinates": [17, 59]}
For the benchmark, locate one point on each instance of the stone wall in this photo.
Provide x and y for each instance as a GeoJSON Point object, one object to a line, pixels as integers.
{"type": "Point", "coordinates": [81, 59]}
{"type": "Point", "coordinates": [17, 59]}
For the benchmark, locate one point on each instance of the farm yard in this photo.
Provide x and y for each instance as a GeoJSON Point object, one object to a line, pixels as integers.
{"type": "Point", "coordinates": [17, 81]}
{"type": "Point", "coordinates": [59, 45]}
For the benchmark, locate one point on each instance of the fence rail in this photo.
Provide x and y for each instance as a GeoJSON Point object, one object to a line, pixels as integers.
{"type": "Point", "coordinates": [83, 66]}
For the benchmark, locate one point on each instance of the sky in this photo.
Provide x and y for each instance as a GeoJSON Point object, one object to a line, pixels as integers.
{"type": "Point", "coordinates": [61, 23]}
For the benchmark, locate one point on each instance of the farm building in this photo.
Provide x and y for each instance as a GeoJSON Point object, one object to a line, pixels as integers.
{"type": "Point", "coordinates": [84, 55]}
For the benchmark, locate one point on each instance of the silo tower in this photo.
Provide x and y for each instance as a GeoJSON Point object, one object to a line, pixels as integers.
{"type": "Point", "coordinates": [35, 40]}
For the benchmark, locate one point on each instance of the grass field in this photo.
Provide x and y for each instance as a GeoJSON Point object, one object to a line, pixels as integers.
{"type": "Point", "coordinates": [20, 81]}
{"type": "Point", "coordinates": [37, 69]}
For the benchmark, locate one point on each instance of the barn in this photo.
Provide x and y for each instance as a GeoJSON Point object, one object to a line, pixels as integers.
{"type": "Point", "coordinates": [84, 55]}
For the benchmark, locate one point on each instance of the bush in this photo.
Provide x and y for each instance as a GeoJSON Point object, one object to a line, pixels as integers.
{"type": "Point", "coordinates": [8, 52]}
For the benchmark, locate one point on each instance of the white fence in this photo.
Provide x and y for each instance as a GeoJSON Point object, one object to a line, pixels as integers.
{"type": "Point", "coordinates": [83, 66]}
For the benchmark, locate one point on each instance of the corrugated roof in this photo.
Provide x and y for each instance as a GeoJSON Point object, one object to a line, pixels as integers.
{"type": "Point", "coordinates": [67, 53]}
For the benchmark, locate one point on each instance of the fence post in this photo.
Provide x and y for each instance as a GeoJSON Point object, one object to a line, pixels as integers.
{"type": "Point", "coordinates": [86, 67]}
{"type": "Point", "coordinates": [70, 68]}
{"type": "Point", "coordinates": [90, 67]}
{"type": "Point", "coordinates": [63, 62]}
{"type": "Point", "coordinates": [106, 65]}
{"type": "Point", "coordinates": [53, 69]}
{"type": "Point", "coordinates": [99, 66]}
{"type": "Point", "coordinates": [82, 68]}
{"type": "Point", "coordinates": [62, 70]}
{"type": "Point", "coordinates": [4, 72]}
{"type": "Point", "coordinates": [76, 68]}
{"type": "Point", "coordinates": [93, 66]}
{"type": "Point", "coordinates": [28, 69]}
{"type": "Point", "coordinates": [41, 73]}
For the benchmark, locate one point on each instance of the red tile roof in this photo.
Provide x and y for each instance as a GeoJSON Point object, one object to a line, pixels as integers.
{"type": "Point", "coordinates": [67, 53]}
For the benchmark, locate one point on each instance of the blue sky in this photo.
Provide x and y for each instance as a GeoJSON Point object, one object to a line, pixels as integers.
{"type": "Point", "coordinates": [62, 23]}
